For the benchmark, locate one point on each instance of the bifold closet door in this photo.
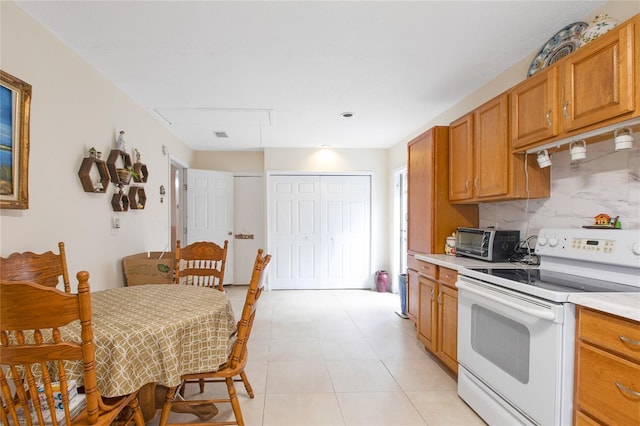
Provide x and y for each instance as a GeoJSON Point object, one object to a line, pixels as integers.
{"type": "Point", "coordinates": [319, 231]}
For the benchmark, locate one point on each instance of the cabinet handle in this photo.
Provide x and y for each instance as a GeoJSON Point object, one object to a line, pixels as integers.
{"type": "Point", "coordinates": [475, 183]}
{"type": "Point", "coordinates": [467, 183]}
{"type": "Point", "coordinates": [431, 294]}
{"type": "Point", "coordinates": [439, 297]}
{"type": "Point", "coordinates": [627, 340]}
{"type": "Point", "coordinates": [548, 118]}
{"type": "Point", "coordinates": [565, 110]}
{"type": "Point", "coordinates": [627, 390]}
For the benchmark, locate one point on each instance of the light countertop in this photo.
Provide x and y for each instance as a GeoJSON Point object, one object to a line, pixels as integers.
{"type": "Point", "coordinates": [625, 305]}
{"type": "Point", "coordinates": [458, 262]}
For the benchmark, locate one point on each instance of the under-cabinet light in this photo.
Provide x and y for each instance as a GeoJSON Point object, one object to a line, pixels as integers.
{"type": "Point", "coordinates": [586, 135]}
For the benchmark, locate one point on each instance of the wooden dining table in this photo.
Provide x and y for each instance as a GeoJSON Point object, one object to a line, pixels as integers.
{"type": "Point", "coordinates": [153, 334]}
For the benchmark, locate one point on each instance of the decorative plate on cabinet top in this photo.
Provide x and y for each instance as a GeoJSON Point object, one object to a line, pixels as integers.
{"type": "Point", "coordinates": [560, 45]}
{"type": "Point", "coordinates": [600, 25]}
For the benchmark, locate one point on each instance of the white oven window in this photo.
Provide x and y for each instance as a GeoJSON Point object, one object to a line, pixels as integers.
{"type": "Point", "coordinates": [502, 341]}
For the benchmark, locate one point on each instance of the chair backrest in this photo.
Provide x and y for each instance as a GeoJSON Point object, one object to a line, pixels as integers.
{"type": "Point", "coordinates": [33, 349]}
{"type": "Point", "coordinates": [201, 264]}
{"type": "Point", "coordinates": [238, 355]}
{"type": "Point", "coordinates": [44, 269]}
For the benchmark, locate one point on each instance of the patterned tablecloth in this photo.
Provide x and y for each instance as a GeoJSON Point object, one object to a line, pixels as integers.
{"type": "Point", "coordinates": [156, 333]}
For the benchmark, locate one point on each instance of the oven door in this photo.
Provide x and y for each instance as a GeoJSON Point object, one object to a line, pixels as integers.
{"type": "Point", "coordinates": [514, 344]}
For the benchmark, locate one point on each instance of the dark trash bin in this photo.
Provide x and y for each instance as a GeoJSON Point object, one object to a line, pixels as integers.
{"type": "Point", "coordinates": [402, 284]}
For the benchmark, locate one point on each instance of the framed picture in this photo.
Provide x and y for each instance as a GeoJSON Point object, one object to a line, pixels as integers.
{"type": "Point", "coordinates": [15, 103]}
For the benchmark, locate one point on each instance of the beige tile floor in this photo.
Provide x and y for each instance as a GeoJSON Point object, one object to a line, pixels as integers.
{"type": "Point", "coordinates": [331, 358]}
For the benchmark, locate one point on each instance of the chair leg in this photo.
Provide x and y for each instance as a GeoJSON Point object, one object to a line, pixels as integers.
{"type": "Point", "coordinates": [166, 407]}
{"type": "Point", "coordinates": [201, 383]}
{"type": "Point", "coordinates": [247, 386]}
{"type": "Point", "coordinates": [138, 418]}
{"type": "Point", "coordinates": [235, 404]}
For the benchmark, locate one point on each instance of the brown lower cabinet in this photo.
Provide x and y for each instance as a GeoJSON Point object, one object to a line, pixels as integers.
{"type": "Point", "coordinates": [607, 375]}
{"type": "Point", "coordinates": [437, 321]}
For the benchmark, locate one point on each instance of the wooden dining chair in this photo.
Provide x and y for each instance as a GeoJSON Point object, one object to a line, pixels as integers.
{"type": "Point", "coordinates": [233, 369]}
{"type": "Point", "coordinates": [35, 351]}
{"type": "Point", "coordinates": [201, 264]}
{"type": "Point", "coordinates": [44, 269]}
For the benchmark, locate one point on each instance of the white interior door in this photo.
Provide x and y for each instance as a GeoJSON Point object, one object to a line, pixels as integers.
{"type": "Point", "coordinates": [294, 227]}
{"type": "Point", "coordinates": [319, 231]}
{"type": "Point", "coordinates": [209, 212]}
{"type": "Point", "coordinates": [248, 218]}
{"type": "Point", "coordinates": [345, 219]}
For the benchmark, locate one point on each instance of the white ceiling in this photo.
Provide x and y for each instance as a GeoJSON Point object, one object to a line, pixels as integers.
{"type": "Point", "coordinates": [279, 74]}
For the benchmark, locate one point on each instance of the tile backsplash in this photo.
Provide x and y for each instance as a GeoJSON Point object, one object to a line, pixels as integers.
{"type": "Point", "coordinates": [605, 182]}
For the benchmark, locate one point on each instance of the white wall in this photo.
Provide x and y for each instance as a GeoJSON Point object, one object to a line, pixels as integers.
{"type": "Point", "coordinates": [74, 108]}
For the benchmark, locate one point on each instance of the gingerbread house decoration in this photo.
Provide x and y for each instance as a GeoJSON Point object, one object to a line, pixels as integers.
{"type": "Point", "coordinates": [603, 219]}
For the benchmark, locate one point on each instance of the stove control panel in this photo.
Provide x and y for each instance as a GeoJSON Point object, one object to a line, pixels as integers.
{"type": "Point", "coordinates": [610, 246]}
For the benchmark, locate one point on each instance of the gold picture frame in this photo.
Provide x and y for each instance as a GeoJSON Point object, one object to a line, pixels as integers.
{"type": "Point", "coordinates": [15, 106]}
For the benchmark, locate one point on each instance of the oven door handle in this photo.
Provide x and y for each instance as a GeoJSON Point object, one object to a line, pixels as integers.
{"type": "Point", "coordinates": [538, 313]}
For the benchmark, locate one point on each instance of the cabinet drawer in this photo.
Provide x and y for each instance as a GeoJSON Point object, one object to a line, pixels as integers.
{"type": "Point", "coordinates": [582, 419]}
{"type": "Point", "coordinates": [428, 270]}
{"type": "Point", "coordinates": [610, 332]}
{"type": "Point", "coordinates": [448, 276]}
{"type": "Point", "coordinates": [600, 377]}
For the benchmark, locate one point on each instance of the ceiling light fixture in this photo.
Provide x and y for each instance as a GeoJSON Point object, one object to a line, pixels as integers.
{"type": "Point", "coordinates": [347, 114]}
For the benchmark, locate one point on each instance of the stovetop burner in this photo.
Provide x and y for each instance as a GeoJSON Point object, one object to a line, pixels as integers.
{"type": "Point", "coordinates": [557, 281]}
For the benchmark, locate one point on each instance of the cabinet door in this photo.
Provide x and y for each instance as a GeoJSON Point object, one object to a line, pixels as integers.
{"type": "Point", "coordinates": [534, 109]}
{"type": "Point", "coordinates": [491, 149]}
{"type": "Point", "coordinates": [413, 294]}
{"type": "Point", "coordinates": [420, 193]}
{"type": "Point", "coordinates": [447, 347]}
{"type": "Point", "coordinates": [607, 386]}
{"type": "Point", "coordinates": [426, 314]}
{"type": "Point", "coordinates": [461, 159]}
{"type": "Point", "coordinates": [598, 80]}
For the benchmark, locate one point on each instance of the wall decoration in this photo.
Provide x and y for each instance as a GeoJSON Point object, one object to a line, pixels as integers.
{"type": "Point", "coordinates": [15, 104]}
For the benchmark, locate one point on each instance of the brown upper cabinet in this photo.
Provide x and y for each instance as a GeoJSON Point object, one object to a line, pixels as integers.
{"type": "Point", "coordinates": [534, 109]}
{"type": "Point", "coordinates": [482, 166]}
{"type": "Point", "coordinates": [595, 86]}
{"type": "Point", "coordinates": [431, 218]}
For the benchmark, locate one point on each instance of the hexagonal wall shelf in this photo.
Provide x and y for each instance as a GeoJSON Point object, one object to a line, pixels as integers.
{"type": "Point", "coordinates": [141, 170]}
{"type": "Point", "coordinates": [89, 183]}
{"type": "Point", "coordinates": [118, 160]}
{"type": "Point", "coordinates": [137, 198]}
{"type": "Point", "coordinates": [120, 201]}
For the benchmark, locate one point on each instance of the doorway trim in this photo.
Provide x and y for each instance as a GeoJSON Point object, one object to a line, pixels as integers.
{"type": "Point", "coordinates": [399, 223]}
{"type": "Point", "coordinates": [175, 200]}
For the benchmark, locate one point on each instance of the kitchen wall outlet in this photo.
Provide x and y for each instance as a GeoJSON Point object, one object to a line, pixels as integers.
{"type": "Point", "coordinates": [116, 223]}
